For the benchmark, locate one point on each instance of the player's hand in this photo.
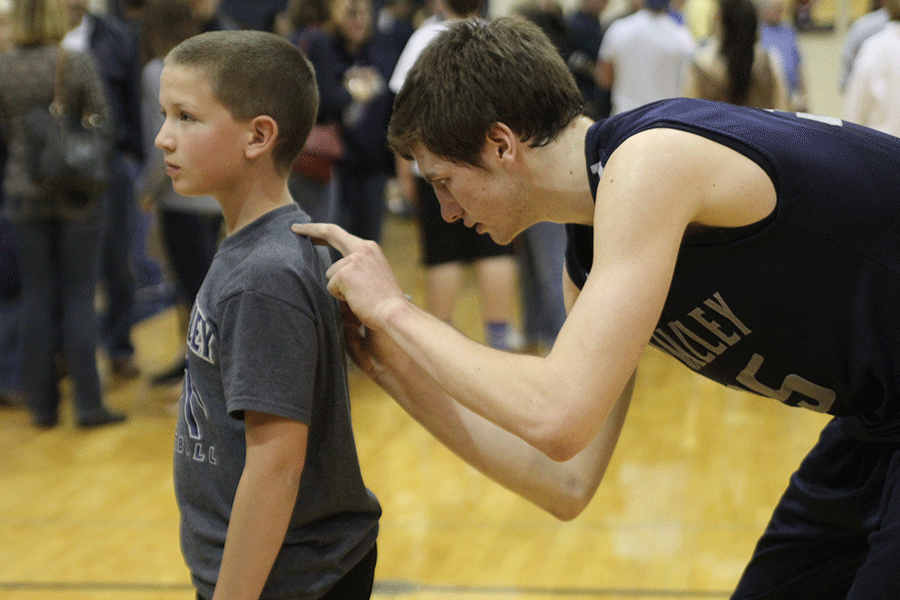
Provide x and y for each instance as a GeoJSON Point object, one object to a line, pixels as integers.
{"type": "Point", "coordinates": [371, 350]}
{"type": "Point", "coordinates": [362, 278]}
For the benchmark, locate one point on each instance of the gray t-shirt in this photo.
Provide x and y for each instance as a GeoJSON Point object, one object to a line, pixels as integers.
{"type": "Point", "coordinates": [265, 336]}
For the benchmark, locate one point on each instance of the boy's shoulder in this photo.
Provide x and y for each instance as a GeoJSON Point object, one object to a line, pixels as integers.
{"type": "Point", "coordinates": [267, 257]}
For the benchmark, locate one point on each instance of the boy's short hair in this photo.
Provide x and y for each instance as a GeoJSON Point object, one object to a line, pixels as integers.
{"type": "Point", "coordinates": [476, 74]}
{"type": "Point", "coordinates": [255, 73]}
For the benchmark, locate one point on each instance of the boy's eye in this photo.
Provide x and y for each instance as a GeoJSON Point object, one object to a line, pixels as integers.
{"type": "Point", "coordinates": [186, 117]}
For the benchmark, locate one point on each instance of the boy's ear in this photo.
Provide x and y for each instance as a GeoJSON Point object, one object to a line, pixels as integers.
{"type": "Point", "coordinates": [263, 131]}
{"type": "Point", "coordinates": [501, 142]}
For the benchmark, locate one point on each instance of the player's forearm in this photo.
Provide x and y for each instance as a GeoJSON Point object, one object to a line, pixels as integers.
{"type": "Point", "coordinates": [259, 521]}
{"type": "Point", "coordinates": [522, 394]}
{"type": "Point", "coordinates": [562, 489]}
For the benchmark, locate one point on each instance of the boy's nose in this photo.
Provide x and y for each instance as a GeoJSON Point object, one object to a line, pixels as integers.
{"type": "Point", "coordinates": [163, 139]}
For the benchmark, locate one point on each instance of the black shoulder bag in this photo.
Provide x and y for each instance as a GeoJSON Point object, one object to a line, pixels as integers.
{"type": "Point", "coordinates": [67, 154]}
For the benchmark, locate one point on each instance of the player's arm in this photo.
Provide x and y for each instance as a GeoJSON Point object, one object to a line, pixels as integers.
{"type": "Point", "coordinates": [560, 402]}
{"type": "Point", "coordinates": [263, 504]}
{"type": "Point", "coordinates": [563, 489]}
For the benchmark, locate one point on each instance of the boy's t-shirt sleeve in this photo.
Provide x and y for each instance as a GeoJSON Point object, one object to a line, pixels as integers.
{"type": "Point", "coordinates": [268, 356]}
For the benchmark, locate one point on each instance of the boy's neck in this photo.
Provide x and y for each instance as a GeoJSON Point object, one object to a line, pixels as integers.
{"type": "Point", "coordinates": [242, 207]}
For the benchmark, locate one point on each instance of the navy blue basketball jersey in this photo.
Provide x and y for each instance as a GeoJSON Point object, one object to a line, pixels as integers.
{"type": "Point", "coordinates": [803, 307]}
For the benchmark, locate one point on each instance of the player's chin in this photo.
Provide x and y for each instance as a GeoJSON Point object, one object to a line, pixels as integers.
{"type": "Point", "coordinates": [501, 238]}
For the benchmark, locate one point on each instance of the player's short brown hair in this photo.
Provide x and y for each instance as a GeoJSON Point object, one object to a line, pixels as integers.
{"type": "Point", "coordinates": [479, 73]}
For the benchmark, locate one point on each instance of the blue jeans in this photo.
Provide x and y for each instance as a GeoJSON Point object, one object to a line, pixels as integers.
{"type": "Point", "coordinates": [541, 261]}
{"type": "Point", "coordinates": [361, 202]}
{"type": "Point", "coordinates": [116, 267]}
{"type": "Point", "coordinates": [10, 346]}
{"type": "Point", "coordinates": [191, 240]}
{"type": "Point", "coordinates": [10, 343]}
{"type": "Point", "coordinates": [59, 260]}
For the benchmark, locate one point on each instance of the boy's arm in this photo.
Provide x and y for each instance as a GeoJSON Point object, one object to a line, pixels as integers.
{"type": "Point", "coordinates": [266, 494]}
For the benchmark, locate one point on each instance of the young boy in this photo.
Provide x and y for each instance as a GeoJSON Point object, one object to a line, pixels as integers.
{"type": "Point", "coordinates": [267, 478]}
{"type": "Point", "coordinates": [760, 248]}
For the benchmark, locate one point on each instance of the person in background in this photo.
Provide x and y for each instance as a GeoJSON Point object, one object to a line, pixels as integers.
{"type": "Point", "coordinates": [210, 16]}
{"type": "Point", "coordinates": [873, 90]}
{"type": "Point", "coordinates": [252, 14]}
{"type": "Point", "coordinates": [303, 17]}
{"type": "Point", "coordinates": [59, 244]}
{"type": "Point", "coordinates": [732, 66]}
{"type": "Point", "coordinates": [312, 180]}
{"type": "Point", "coordinates": [780, 39]}
{"type": "Point", "coordinates": [448, 249]}
{"type": "Point", "coordinates": [643, 56]}
{"type": "Point", "coordinates": [113, 45]}
{"type": "Point", "coordinates": [352, 69]}
{"type": "Point", "coordinates": [189, 227]}
{"type": "Point", "coordinates": [397, 22]}
{"type": "Point", "coordinates": [859, 31]}
{"type": "Point", "coordinates": [585, 35]}
{"type": "Point", "coordinates": [540, 248]}
{"type": "Point", "coordinates": [10, 277]}
{"type": "Point", "coordinates": [129, 10]}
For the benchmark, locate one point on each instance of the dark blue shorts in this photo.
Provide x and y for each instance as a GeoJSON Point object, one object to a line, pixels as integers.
{"type": "Point", "coordinates": [835, 534]}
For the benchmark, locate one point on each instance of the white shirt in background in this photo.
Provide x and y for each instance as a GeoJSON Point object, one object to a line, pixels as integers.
{"type": "Point", "coordinates": [873, 89]}
{"type": "Point", "coordinates": [649, 52]}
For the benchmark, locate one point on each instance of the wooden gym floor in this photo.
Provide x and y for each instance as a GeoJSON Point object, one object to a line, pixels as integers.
{"type": "Point", "coordinates": [91, 515]}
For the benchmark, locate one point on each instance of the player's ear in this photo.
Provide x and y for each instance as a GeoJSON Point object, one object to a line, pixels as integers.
{"type": "Point", "coordinates": [501, 142]}
{"type": "Point", "coordinates": [263, 130]}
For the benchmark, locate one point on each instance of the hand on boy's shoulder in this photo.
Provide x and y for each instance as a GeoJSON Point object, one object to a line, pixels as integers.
{"type": "Point", "coordinates": [306, 229]}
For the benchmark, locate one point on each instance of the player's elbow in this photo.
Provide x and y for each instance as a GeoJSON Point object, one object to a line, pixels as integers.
{"type": "Point", "coordinates": [561, 436]}
{"type": "Point", "coordinates": [560, 448]}
{"type": "Point", "coordinates": [573, 494]}
{"type": "Point", "coordinates": [570, 507]}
